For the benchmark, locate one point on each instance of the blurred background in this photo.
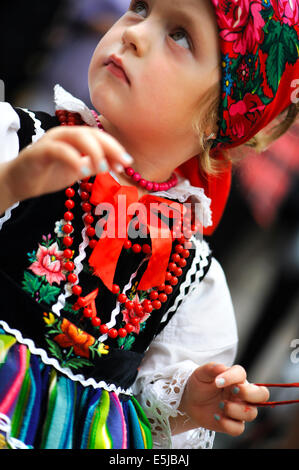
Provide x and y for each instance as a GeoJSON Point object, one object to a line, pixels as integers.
{"type": "Point", "coordinates": [257, 242]}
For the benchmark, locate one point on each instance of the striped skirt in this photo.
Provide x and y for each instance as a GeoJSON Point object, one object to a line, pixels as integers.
{"type": "Point", "coordinates": [43, 409]}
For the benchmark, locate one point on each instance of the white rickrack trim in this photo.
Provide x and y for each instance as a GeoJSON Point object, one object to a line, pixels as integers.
{"type": "Point", "coordinates": [201, 258]}
{"type": "Point", "coordinates": [53, 362]}
{"type": "Point", "coordinates": [160, 398]}
{"type": "Point", "coordinates": [5, 428]}
{"type": "Point", "coordinates": [116, 311]}
{"type": "Point", "coordinates": [39, 131]}
{"type": "Point", "coordinates": [7, 214]}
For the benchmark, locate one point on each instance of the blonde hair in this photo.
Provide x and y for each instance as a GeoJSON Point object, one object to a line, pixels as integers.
{"type": "Point", "coordinates": [263, 139]}
{"type": "Point", "coordinates": [208, 118]}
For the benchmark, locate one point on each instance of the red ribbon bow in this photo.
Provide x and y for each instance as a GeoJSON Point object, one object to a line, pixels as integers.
{"type": "Point", "coordinates": [123, 202]}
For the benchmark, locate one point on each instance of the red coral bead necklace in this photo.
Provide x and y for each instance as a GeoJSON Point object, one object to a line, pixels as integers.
{"type": "Point", "coordinates": [134, 310]}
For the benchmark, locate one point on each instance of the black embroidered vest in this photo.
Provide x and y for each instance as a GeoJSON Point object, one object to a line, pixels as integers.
{"type": "Point", "coordinates": [39, 312]}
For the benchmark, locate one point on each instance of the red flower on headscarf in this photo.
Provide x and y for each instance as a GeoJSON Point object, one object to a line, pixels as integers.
{"type": "Point", "coordinates": [243, 114]}
{"type": "Point", "coordinates": [288, 10]}
{"type": "Point", "coordinates": [241, 23]}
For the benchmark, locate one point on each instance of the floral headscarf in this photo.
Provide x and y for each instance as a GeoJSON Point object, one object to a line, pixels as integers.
{"type": "Point", "coordinates": [259, 44]}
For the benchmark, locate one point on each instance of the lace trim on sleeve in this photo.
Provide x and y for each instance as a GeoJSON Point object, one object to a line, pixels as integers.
{"type": "Point", "coordinates": [197, 439]}
{"type": "Point", "coordinates": [160, 398]}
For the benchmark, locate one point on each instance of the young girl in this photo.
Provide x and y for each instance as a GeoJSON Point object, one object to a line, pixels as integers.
{"type": "Point", "coordinates": [127, 339]}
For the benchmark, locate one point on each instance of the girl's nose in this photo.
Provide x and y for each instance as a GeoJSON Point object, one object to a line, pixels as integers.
{"type": "Point", "coordinates": [135, 37]}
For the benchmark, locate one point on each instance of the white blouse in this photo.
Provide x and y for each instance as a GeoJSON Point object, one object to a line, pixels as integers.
{"type": "Point", "coordinates": [9, 126]}
{"type": "Point", "coordinates": [202, 330]}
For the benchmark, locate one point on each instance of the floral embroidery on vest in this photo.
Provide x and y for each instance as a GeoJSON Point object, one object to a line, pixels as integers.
{"type": "Point", "coordinates": [69, 344]}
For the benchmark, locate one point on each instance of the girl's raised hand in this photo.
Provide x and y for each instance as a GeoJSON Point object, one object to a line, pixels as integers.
{"type": "Point", "coordinates": [220, 399]}
{"type": "Point", "coordinates": [55, 161]}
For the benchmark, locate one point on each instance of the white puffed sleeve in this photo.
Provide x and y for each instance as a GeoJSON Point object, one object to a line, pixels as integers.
{"type": "Point", "coordinates": [9, 126]}
{"type": "Point", "coordinates": [202, 330]}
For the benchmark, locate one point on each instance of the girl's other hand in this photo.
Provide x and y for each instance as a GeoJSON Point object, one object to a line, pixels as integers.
{"type": "Point", "coordinates": [220, 399]}
{"type": "Point", "coordinates": [61, 157]}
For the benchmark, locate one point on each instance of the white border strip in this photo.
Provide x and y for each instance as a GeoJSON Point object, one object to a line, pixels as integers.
{"type": "Point", "coordinates": [39, 132]}
{"type": "Point", "coordinates": [7, 214]}
{"type": "Point", "coordinates": [53, 362]}
{"type": "Point", "coordinates": [202, 250]}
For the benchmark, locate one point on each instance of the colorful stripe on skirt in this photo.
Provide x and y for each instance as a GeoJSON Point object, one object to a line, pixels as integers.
{"type": "Point", "coordinates": [43, 409]}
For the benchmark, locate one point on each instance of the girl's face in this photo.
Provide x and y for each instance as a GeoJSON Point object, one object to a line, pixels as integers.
{"type": "Point", "coordinates": [150, 70]}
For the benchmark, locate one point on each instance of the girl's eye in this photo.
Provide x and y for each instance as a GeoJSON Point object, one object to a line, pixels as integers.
{"type": "Point", "coordinates": [140, 8]}
{"type": "Point", "coordinates": [182, 38]}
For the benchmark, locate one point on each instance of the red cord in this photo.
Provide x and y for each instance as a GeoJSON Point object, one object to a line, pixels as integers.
{"type": "Point", "coordinates": [276, 403]}
{"type": "Point", "coordinates": [295, 384]}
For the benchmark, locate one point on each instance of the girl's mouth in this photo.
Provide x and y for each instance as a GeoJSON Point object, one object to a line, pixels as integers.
{"type": "Point", "coordinates": [115, 66]}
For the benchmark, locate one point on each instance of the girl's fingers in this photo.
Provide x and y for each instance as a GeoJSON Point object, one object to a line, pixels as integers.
{"type": "Point", "coordinates": [100, 147]}
{"type": "Point", "coordinates": [250, 393]}
{"type": "Point", "coordinates": [227, 425]}
{"type": "Point", "coordinates": [234, 375]}
{"type": "Point", "coordinates": [114, 150]}
{"type": "Point", "coordinates": [235, 386]}
{"type": "Point", "coordinates": [232, 416]}
{"type": "Point", "coordinates": [68, 163]}
{"type": "Point", "coordinates": [61, 157]}
{"type": "Point", "coordinates": [51, 164]}
{"type": "Point", "coordinates": [208, 372]}
{"type": "Point", "coordinates": [81, 164]}
{"type": "Point", "coordinates": [239, 411]}
{"type": "Point", "coordinates": [82, 139]}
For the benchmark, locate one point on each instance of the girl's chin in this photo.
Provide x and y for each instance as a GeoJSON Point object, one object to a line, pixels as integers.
{"type": "Point", "coordinates": [106, 100]}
